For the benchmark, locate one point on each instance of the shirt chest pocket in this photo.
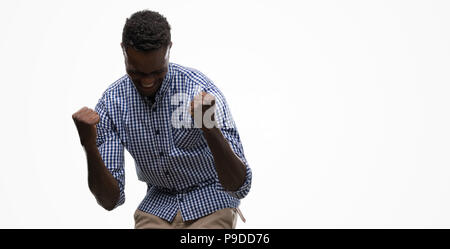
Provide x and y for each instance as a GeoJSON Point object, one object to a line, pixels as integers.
{"type": "Point", "coordinates": [184, 138]}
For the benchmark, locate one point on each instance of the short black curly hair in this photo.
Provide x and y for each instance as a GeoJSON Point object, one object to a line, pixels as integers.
{"type": "Point", "coordinates": [146, 30]}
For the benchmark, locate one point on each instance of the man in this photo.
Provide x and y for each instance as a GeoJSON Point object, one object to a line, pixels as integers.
{"type": "Point", "coordinates": [194, 166]}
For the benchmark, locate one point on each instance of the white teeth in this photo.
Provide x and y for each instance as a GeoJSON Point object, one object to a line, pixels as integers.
{"type": "Point", "coordinates": [148, 85]}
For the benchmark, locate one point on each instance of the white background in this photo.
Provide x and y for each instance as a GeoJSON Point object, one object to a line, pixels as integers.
{"type": "Point", "coordinates": [342, 106]}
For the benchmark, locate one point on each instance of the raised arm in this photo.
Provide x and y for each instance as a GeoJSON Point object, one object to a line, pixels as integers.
{"type": "Point", "coordinates": [101, 182]}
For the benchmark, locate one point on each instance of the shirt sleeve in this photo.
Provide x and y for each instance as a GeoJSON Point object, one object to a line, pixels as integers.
{"type": "Point", "coordinates": [111, 148]}
{"type": "Point", "coordinates": [233, 139]}
{"type": "Point", "coordinates": [228, 128]}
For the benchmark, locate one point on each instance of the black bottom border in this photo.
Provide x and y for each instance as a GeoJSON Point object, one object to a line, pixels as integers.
{"type": "Point", "coordinates": [215, 238]}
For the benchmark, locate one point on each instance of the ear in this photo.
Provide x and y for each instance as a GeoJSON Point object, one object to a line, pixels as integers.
{"type": "Point", "coordinates": [124, 50]}
{"type": "Point", "coordinates": [168, 51]}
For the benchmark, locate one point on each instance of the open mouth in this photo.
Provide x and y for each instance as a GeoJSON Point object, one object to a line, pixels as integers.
{"type": "Point", "coordinates": [148, 86]}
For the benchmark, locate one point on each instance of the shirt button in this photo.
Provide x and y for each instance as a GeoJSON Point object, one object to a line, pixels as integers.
{"type": "Point", "coordinates": [154, 109]}
{"type": "Point", "coordinates": [157, 132]}
{"type": "Point", "coordinates": [166, 172]}
{"type": "Point", "coordinates": [161, 153]}
{"type": "Point", "coordinates": [180, 199]}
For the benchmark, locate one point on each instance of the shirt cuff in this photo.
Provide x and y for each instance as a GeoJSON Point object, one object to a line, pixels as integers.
{"type": "Point", "coordinates": [121, 197]}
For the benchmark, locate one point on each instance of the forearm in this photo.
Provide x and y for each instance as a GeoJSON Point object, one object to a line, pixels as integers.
{"type": "Point", "coordinates": [101, 182]}
{"type": "Point", "coordinates": [230, 169]}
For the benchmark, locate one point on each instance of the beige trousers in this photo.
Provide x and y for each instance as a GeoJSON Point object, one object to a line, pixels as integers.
{"type": "Point", "coordinates": [221, 219]}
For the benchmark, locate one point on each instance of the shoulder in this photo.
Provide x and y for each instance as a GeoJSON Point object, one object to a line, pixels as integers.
{"type": "Point", "coordinates": [191, 81]}
{"type": "Point", "coordinates": [117, 89]}
{"type": "Point", "coordinates": [114, 98]}
{"type": "Point", "coordinates": [189, 73]}
{"type": "Point", "coordinates": [189, 78]}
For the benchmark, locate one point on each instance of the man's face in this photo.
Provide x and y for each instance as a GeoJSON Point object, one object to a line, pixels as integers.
{"type": "Point", "coordinates": [147, 69]}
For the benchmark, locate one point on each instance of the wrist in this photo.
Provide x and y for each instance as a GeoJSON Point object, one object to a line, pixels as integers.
{"type": "Point", "coordinates": [210, 130]}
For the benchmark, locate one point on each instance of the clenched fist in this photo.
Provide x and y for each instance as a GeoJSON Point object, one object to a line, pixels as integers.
{"type": "Point", "coordinates": [85, 120]}
{"type": "Point", "coordinates": [202, 110]}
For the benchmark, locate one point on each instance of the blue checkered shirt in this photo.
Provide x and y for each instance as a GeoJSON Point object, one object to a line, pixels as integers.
{"type": "Point", "coordinates": [175, 162]}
